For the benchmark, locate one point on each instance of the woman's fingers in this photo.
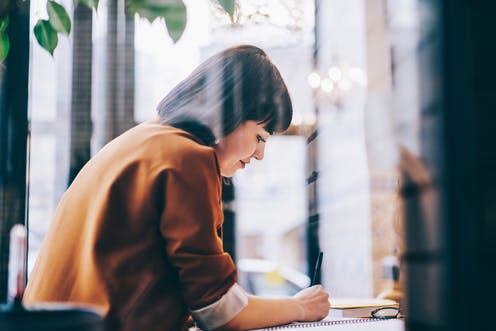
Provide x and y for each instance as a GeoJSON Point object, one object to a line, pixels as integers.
{"type": "Point", "coordinates": [314, 303]}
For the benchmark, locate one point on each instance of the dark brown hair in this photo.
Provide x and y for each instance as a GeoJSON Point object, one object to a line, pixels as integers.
{"type": "Point", "coordinates": [231, 87]}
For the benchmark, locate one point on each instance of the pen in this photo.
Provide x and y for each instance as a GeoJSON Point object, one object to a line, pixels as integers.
{"type": "Point", "coordinates": [316, 271]}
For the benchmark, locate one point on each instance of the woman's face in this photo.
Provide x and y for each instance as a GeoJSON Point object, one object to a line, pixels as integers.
{"type": "Point", "coordinates": [237, 149]}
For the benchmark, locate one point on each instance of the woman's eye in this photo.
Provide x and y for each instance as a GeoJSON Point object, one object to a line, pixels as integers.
{"type": "Point", "coordinates": [260, 139]}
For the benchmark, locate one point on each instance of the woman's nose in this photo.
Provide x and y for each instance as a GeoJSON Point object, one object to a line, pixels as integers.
{"type": "Point", "coordinates": [259, 151]}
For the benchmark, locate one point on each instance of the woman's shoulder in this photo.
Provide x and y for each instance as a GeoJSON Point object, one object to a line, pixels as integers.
{"type": "Point", "coordinates": [176, 146]}
{"type": "Point", "coordinates": [172, 138]}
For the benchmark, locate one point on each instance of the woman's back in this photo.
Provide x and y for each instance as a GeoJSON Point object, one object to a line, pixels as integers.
{"type": "Point", "coordinates": [107, 244]}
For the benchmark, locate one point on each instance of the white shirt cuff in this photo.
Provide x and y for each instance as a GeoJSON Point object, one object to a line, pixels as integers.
{"type": "Point", "coordinates": [223, 310]}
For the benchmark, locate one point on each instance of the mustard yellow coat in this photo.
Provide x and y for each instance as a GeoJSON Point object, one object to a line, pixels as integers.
{"type": "Point", "coordinates": [137, 233]}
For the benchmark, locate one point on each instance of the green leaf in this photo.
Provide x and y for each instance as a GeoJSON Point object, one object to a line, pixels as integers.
{"type": "Point", "coordinates": [173, 11]}
{"type": "Point", "coordinates": [151, 9]}
{"type": "Point", "coordinates": [4, 22]}
{"type": "Point", "coordinates": [4, 46]}
{"type": "Point", "coordinates": [46, 35]}
{"type": "Point", "coordinates": [58, 17]}
{"type": "Point", "coordinates": [175, 19]}
{"type": "Point", "coordinates": [90, 3]}
{"type": "Point", "coordinates": [228, 5]}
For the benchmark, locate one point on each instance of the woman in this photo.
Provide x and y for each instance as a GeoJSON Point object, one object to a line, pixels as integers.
{"type": "Point", "coordinates": [138, 231]}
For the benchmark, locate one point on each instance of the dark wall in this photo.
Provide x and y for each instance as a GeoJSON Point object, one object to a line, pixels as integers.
{"type": "Point", "coordinates": [13, 133]}
{"type": "Point", "coordinates": [451, 277]}
{"type": "Point", "coordinates": [469, 53]}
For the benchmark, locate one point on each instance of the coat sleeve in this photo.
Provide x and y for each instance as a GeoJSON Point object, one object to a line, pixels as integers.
{"type": "Point", "coordinates": [189, 224]}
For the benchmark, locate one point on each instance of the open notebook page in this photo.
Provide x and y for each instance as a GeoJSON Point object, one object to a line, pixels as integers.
{"type": "Point", "coordinates": [344, 324]}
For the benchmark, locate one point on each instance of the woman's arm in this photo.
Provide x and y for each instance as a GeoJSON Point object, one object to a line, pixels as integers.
{"type": "Point", "coordinates": [310, 304]}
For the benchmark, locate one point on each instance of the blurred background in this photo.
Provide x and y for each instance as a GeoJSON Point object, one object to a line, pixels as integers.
{"type": "Point", "coordinates": [386, 168]}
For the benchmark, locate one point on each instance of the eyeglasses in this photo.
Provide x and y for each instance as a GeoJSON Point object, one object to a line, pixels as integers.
{"type": "Point", "coordinates": [386, 312]}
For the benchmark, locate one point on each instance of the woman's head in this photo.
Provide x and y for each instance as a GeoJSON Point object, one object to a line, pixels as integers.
{"type": "Point", "coordinates": [234, 86]}
{"type": "Point", "coordinates": [239, 147]}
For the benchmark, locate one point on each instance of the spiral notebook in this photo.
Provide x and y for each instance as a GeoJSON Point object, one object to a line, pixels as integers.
{"type": "Point", "coordinates": [344, 324]}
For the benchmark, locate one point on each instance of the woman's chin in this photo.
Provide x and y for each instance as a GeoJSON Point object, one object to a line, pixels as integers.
{"type": "Point", "coordinates": [229, 172]}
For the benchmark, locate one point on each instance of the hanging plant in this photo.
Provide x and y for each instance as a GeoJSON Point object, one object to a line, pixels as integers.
{"type": "Point", "coordinates": [47, 31]}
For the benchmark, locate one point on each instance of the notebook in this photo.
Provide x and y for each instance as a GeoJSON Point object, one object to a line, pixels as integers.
{"type": "Point", "coordinates": [358, 307]}
{"type": "Point", "coordinates": [344, 324]}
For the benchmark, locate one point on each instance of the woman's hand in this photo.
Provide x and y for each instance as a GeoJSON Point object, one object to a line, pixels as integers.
{"type": "Point", "coordinates": [313, 303]}
{"type": "Point", "coordinates": [310, 304]}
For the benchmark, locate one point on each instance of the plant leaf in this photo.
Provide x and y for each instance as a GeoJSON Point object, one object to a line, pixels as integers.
{"type": "Point", "coordinates": [173, 11]}
{"type": "Point", "coordinates": [4, 46]}
{"type": "Point", "coordinates": [90, 3]}
{"type": "Point", "coordinates": [58, 17]}
{"type": "Point", "coordinates": [46, 35]}
{"type": "Point", "coordinates": [151, 9]}
{"type": "Point", "coordinates": [228, 5]}
{"type": "Point", "coordinates": [175, 20]}
{"type": "Point", "coordinates": [4, 22]}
